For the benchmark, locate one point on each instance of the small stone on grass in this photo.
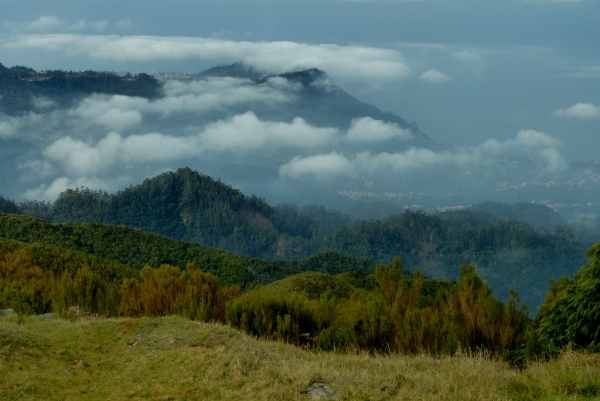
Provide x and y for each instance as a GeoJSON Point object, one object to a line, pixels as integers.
{"type": "Point", "coordinates": [320, 391]}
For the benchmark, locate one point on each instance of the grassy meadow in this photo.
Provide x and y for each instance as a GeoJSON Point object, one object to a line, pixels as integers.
{"type": "Point", "coordinates": [173, 358]}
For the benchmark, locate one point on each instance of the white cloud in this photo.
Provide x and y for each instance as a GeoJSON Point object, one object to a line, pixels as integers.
{"type": "Point", "coordinates": [524, 139]}
{"type": "Point", "coordinates": [467, 55]}
{"type": "Point", "coordinates": [367, 129]}
{"type": "Point", "coordinates": [580, 110]}
{"type": "Point", "coordinates": [244, 132]}
{"type": "Point", "coordinates": [335, 164]}
{"type": "Point", "coordinates": [41, 103]}
{"type": "Point", "coordinates": [371, 64]}
{"type": "Point", "coordinates": [415, 158]}
{"type": "Point", "coordinates": [37, 169]}
{"type": "Point", "coordinates": [532, 144]}
{"type": "Point", "coordinates": [554, 160]}
{"type": "Point", "coordinates": [119, 112]}
{"type": "Point", "coordinates": [78, 158]}
{"type": "Point", "coordinates": [57, 186]}
{"type": "Point", "coordinates": [320, 166]}
{"type": "Point", "coordinates": [117, 119]}
{"type": "Point", "coordinates": [183, 110]}
{"type": "Point", "coordinates": [44, 24]}
{"type": "Point", "coordinates": [434, 77]}
{"type": "Point", "coordinates": [116, 113]}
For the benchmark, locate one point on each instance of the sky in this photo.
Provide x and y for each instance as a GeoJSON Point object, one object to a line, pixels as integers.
{"type": "Point", "coordinates": [479, 74]}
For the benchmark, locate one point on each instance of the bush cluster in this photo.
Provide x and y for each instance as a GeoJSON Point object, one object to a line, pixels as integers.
{"type": "Point", "coordinates": [389, 311]}
{"type": "Point", "coordinates": [167, 290]}
{"type": "Point", "coordinates": [401, 314]}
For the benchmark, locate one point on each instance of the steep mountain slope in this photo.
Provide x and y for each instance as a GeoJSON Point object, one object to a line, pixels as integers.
{"type": "Point", "coordinates": [320, 102]}
{"type": "Point", "coordinates": [188, 206]}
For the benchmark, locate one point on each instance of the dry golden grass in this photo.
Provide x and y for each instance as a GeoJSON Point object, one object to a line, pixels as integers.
{"type": "Point", "coordinates": [176, 359]}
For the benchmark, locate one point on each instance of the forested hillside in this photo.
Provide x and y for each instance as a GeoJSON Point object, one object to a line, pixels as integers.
{"type": "Point", "coordinates": [189, 206]}
{"type": "Point", "coordinates": [508, 254]}
{"type": "Point", "coordinates": [384, 312]}
{"type": "Point", "coordinates": [121, 271]}
{"type": "Point", "coordinates": [20, 86]}
{"type": "Point", "coordinates": [136, 248]}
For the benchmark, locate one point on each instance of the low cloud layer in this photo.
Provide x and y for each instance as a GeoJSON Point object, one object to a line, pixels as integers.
{"type": "Point", "coordinates": [369, 130]}
{"type": "Point", "coordinates": [357, 63]}
{"type": "Point", "coordinates": [110, 142]}
{"type": "Point", "coordinates": [328, 165]}
{"type": "Point", "coordinates": [536, 145]}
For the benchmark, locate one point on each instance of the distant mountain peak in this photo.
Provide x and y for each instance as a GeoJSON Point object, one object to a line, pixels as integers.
{"type": "Point", "coordinates": [240, 70]}
{"type": "Point", "coordinates": [235, 70]}
{"type": "Point", "coordinates": [306, 76]}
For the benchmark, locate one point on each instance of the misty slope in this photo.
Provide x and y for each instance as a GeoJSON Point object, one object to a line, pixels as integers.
{"type": "Point", "coordinates": [321, 102]}
{"type": "Point", "coordinates": [508, 254]}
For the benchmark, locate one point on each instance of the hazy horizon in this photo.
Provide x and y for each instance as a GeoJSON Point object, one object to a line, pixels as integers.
{"type": "Point", "coordinates": [519, 79]}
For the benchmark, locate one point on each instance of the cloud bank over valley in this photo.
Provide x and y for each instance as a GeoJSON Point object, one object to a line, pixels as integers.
{"type": "Point", "coordinates": [259, 136]}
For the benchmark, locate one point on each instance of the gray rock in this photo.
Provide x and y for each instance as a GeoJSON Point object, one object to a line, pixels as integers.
{"type": "Point", "coordinates": [7, 312]}
{"type": "Point", "coordinates": [45, 317]}
{"type": "Point", "coordinates": [320, 391]}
